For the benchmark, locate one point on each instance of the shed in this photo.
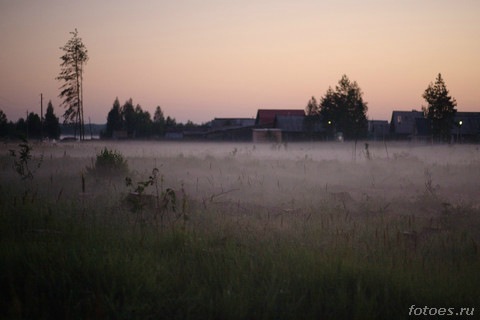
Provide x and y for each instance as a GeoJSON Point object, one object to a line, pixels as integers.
{"type": "Point", "coordinates": [267, 135]}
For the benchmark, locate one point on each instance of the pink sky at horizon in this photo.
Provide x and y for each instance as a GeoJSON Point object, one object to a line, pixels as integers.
{"type": "Point", "coordinates": [204, 59]}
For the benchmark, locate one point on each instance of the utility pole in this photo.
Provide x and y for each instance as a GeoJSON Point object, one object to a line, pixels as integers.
{"type": "Point", "coordinates": [41, 116]}
{"type": "Point", "coordinates": [26, 122]}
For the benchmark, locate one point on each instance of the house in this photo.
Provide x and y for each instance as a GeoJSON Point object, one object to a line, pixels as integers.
{"type": "Point", "coordinates": [231, 129]}
{"type": "Point", "coordinates": [402, 124]}
{"type": "Point", "coordinates": [224, 123]}
{"type": "Point", "coordinates": [295, 128]}
{"type": "Point", "coordinates": [413, 125]}
{"type": "Point", "coordinates": [422, 130]}
{"type": "Point", "coordinates": [266, 135]}
{"type": "Point", "coordinates": [173, 134]}
{"type": "Point", "coordinates": [266, 117]}
{"type": "Point", "coordinates": [378, 129]}
{"type": "Point", "coordinates": [467, 126]}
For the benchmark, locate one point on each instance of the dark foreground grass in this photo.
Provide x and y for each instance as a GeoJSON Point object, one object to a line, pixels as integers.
{"type": "Point", "coordinates": [59, 261]}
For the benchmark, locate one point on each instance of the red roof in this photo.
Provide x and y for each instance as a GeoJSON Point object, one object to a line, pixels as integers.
{"type": "Point", "coordinates": [267, 116]}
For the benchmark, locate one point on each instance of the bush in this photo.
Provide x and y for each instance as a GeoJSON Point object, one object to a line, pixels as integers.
{"type": "Point", "coordinates": [109, 163]}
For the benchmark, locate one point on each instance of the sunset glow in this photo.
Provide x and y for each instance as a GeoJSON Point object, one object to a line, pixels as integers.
{"type": "Point", "coordinates": [204, 59]}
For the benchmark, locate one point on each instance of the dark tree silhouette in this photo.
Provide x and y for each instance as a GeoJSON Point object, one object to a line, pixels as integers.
{"type": "Point", "coordinates": [143, 123]}
{"type": "Point", "coordinates": [3, 124]}
{"type": "Point", "coordinates": [114, 119]}
{"type": "Point", "coordinates": [440, 110]}
{"type": "Point", "coordinates": [344, 110]}
{"type": "Point", "coordinates": [312, 107]}
{"type": "Point", "coordinates": [73, 60]}
{"type": "Point", "coordinates": [170, 122]}
{"type": "Point", "coordinates": [158, 122]}
{"type": "Point", "coordinates": [134, 121]}
{"type": "Point", "coordinates": [51, 123]}
{"type": "Point", "coordinates": [34, 125]}
{"type": "Point", "coordinates": [128, 117]}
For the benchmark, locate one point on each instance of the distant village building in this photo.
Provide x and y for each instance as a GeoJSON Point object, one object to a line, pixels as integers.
{"type": "Point", "coordinates": [266, 135]}
{"type": "Point", "coordinates": [231, 129]}
{"type": "Point", "coordinates": [173, 134]}
{"type": "Point", "coordinates": [300, 128]}
{"type": "Point", "coordinates": [280, 125]}
{"type": "Point", "coordinates": [229, 123]}
{"type": "Point", "coordinates": [412, 125]}
{"type": "Point", "coordinates": [402, 124]}
{"type": "Point", "coordinates": [287, 125]}
{"type": "Point", "coordinates": [467, 126]}
{"type": "Point", "coordinates": [378, 129]}
{"type": "Point", "coordinates": [291, 127]}
{"type": "Point", "coordinates": [266, 117]}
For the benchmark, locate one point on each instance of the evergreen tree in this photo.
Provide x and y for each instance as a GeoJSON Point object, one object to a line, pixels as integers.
{"type": "Point", "coordinates": [114, 119]}
{"type": "Point", "coordinates": [73, 59]}
{"type": "Point", "coordinates": [312, 107]}
{"type": "Point", "coordinates": [170, 122]}
{"type": "Point", "coordinates": [440, 110]}
{"type": "Point", "coordinates": [51, 123]}
{"type": "Point", "coordinates": [21, 128]}
{"type": "Point", "coordinates": [34, 125]}
{"type": "Point", "coordinates": [158, 122]}
{"type": "Point", "coordinates": [143, 122]}
{"type": "Point", "coordinates": [3, 124]}
{"type": "Point", "coordinates": [128, 117]}
{"type": "Point", "coordinates": [344, 110]}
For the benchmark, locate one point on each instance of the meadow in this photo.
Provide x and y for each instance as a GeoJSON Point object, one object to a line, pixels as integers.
{"type": "Point", "coordinates": [238, 230]}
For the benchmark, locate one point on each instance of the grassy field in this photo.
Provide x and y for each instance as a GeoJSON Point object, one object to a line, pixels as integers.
{"type": "Point", "coordinates": [239, 231]}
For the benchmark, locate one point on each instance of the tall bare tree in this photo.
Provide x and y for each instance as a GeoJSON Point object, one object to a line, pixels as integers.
{"type": "Point", "coordinates": [75, 56]}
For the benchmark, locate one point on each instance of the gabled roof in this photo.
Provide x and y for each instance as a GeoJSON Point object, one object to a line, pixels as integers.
{"type": "Point", "coordinates": [403, 122]}
{"type": "Point", "coordinates": [266, 117]}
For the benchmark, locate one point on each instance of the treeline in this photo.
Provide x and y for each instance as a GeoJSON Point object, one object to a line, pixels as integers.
{"type": "Point", "coordinates": [126, 121]}
{"type": "Point", "coordinates": [129, 121]}
{"type": "Point", "coordinates": [32, 126]}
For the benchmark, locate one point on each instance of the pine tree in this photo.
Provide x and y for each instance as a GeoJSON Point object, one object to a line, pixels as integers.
{"type": "Point", "coordinates": [344, 110]}
{"type": "Point", "coordinates": [34, 125]}
{"type": "Point", "coordinates": [3, 124]}
{"type": "Point", "coordinates": [73, 60]}
{"type": "Point", "coordinates": [441, 109]}
{"type": "Point", "coordinates": [312, 107]}
{"type": "Point", "coordinates": [143, 122]}
{"type": "Point", "coordinates": [158, 122]}
{"type": "Point", "coordinates": [114, 119]}
{"type": "Point", "coordinates": [51, 123]}
{"type": "Point", "coordinates": [128, 117]}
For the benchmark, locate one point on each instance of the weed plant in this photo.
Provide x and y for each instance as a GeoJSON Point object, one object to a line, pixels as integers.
{"type": "Point", "coordinates": [109, 163]}
{"type": "Point", "coordinates": [257, 245]}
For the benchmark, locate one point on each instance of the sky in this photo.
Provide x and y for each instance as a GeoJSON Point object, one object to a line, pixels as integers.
{"type": "Point", "coordinates": [201, 59]}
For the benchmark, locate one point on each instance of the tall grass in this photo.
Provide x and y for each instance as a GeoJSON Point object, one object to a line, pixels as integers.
{"type": "Point", "coordinates": [291, 256]}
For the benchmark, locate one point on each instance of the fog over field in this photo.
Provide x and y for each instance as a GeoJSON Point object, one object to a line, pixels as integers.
{"type": "Point", "coordinates": [281, 172]}
{"type": "Point", "coordinates": [318, 224]}
{"type": "Point", "coordinates": [294, 180]}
